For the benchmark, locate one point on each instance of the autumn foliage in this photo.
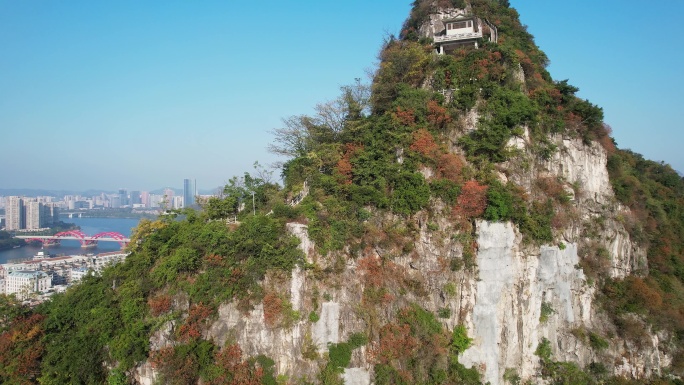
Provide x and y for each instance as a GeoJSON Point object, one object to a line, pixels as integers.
{"type": "Point", "coordinates": [194, 324]}
{"type": "Point", "coordinates": [472, 201]}
{"type": "Point", "coordinates": [406, 117]}
{"type": "Point", "coordinates": [450, 166]}
{"type": "Point", "coordinates": [159, 304]}
{"type": "Point", "coordinates": [395, 343]}
{"type": "Point", "coordinates": [438, 116]}
{"type": "Point", "coordinates": [174, 368]}
{"type": "Point", "coordinates": [378, 273]}
{"type": "Point", "coordinates": [21, 348]}
{"type": "Point", "coordinates": [232, 370]}
{"type": "Point", "coordinates": [424, 143]}
{"type": "Point", "coordinates": [344, 166]}
{"type": "Point", "coordinates": [273, 308]}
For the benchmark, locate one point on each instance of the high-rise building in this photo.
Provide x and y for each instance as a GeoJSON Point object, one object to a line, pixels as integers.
{"type": "Point", "coordinates": [14, 213]}
{"type": "Point", "coordinates": [167, 202]}
{"type": "Point", "coordinates": [145, 199]}
{"type": "Point", "coordinates": [35, 216]}
{"type": "Point", "coordinates": [178, 202]}
{"type": "Point", "coordinates": [135, 198]}
{"type": "Point", "coordinates": [51, 212]}
{"type": "Point", "coordinates": [188, 193]}
{"type": "Point", "coordinates": [123, 197]}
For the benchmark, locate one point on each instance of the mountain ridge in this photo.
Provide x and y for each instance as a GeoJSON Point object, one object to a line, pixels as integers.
{"type": "Point", "coordinates": [464, 219]}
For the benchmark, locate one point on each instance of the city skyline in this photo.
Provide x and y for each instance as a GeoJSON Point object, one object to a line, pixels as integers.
{"type": "Point", "coordinates": [135, 94]}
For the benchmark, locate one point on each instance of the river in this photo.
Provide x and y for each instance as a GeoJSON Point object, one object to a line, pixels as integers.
{"type": "Point", "coordinates": [90, 226]}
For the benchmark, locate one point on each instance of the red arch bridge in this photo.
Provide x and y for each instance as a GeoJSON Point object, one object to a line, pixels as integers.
{"type": "Point", "coordinates": [84, 239]}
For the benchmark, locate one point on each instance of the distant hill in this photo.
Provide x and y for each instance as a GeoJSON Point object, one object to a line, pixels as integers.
{"type": "Point", "coordinates": [44, 192]}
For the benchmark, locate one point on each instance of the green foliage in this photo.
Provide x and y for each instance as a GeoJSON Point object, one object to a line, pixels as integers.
{"type": "Point", "coordinates": [183, 260]}
{"type": "Point", "coordinates": [314, 317]}
{"type": "Point", "coordinates": [444, 312]}
{"type": "Point", "coordinates": [79, 325]}
{"type": "Point", "coordinates": [423, 323]}
{"type": "Point", "coordinates": [357, 340]}
{"type": "Point", "coordinates": [460, 341]}
{"type": "Point", "coordinates": [410, 193]}
{"type": "Point", "coordinates": [339, 354]}
{"type": "Point", "coordinates": [543, 350]}
{"type": "Point", "coordinates": [537, 224]}
{"type": "Point", "coordinates": [8, 242]}
{"type": "Point", "coordinates": [511, 376]}
{"type": "Point", "coordinates": [654, 192]}
{"type": "Point", "coordinates": [339, 357]}
{"type": "Point", "coordinates": [505, 203]}
{"type": "Point", "coordinates": [546, 312]}
{"type": "Point", "coordinates": [450, 290]}
{"type": "Point", "coordinates": [507, 111]}
{"type": "Point", "coordinates": [445, 189]}
{"type": "Point", "coordinates": [597, 342]}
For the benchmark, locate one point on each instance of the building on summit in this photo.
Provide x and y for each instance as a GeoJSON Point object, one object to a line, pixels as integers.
{"type": "Point", "coordinates": [457, 29]}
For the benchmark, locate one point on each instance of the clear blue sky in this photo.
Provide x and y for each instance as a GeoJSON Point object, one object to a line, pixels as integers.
{"type": "Point", "coordinates": [140, 95]}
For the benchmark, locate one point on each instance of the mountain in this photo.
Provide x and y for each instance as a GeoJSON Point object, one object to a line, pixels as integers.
{"type": "Point", "coordinates": [465, 219]}
{"type": "Point", "coordinates": [47, 192]}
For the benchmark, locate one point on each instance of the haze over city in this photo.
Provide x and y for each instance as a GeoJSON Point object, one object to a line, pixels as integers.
{"type": "Point", "coordinates": [141, 95]}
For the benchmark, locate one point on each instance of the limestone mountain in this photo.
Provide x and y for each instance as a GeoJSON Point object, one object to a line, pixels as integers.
{"type": "Point", "coordinates": [464, 219]}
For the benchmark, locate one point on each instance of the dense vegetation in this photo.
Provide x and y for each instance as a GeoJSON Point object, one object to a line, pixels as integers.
{"type": "Point", "coordinates": [359, 170]}
{"type": "Point", "coordinates": [8, 242]}
{"type": "Point", "coordinates": [193, 263]}
{"type": "Point", "coordinates": [655, 194]}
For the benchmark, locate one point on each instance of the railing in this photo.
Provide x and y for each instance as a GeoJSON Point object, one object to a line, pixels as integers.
{"type": "Point", "coordinates": [458, 36]}
{"type": "Point", "coordinates": [302, 194]}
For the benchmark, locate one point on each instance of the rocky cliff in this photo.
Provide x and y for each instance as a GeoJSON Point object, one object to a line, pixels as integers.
{"type": "Point", "coordinates": [465, 219]}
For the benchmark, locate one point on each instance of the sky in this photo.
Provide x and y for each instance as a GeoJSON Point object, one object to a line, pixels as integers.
{"type": "Point", "coordinates": [142, 94]}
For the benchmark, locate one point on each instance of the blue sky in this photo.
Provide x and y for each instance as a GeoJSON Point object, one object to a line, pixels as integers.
{"type": "Point", "coordinates": [141, 95]}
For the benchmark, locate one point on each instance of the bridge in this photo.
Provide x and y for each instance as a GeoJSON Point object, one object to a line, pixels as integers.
{"type": "Point", "coordinates": [72, 214]}
{"type": "Point", "coordinates": [85, 240]}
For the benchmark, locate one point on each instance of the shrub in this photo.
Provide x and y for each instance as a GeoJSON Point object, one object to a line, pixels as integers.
{"type": "Point", "coordinates": [511, 376]}
{"type": "Point", "coordinates": [546, 312]}
{"type": "Point", "coordinates": [460, 341]}
{"type": "Point", "coordinates": [596, 342]}
{"type": "Point", "coordinates": [340, 355]}
{"type": "Point", "coordinates": [193, 325]}
{"type": "Point", "coordinates": [444, 312]}
{"type": "Point", "coordinates": [450, 290]}
{"type": "Point", "coordinates": [543, 350]}
{"type": "Point", "coordinates": [424, 144]}
{"type": "Point", "coordinates": [231, 369]}
{"type": "Point", "coordinates": [356, 340]}
{"type": "Point", "coordinates": [472, 201]}
{"type": "Point", "coordinates": [159, 304]}
{"type": "Point", "coordinates": [410, 193]}
{"type": "Point", "coordinates": [273, 308]}
{"type": "Point", "coordinates": [395, 342]}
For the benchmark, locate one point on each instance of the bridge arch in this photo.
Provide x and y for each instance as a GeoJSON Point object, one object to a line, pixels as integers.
{"type": "Point", "coordinates": [78, 234]}
{"type": "Point", "coordinates": [110, 234]}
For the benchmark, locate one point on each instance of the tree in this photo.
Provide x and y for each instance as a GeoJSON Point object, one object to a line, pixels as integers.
{"type": "Point", "coordinates": [302, 134]}
{"type": "Point", "coordinates": [473, 200]}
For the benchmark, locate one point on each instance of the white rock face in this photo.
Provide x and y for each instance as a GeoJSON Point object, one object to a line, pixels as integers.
{"type": "Point", "coordinates": [356, 376]}
{"type": "Point", "coordinates": [145, 374]}
{"type": "Point", "coordinates": [306, 245]}
{"type": "Point", "coordinates": [327, 329]}
{"type": "Point", "coordinates": [510, 289]}
{"type": "Point", "coordinates": [584, 165]}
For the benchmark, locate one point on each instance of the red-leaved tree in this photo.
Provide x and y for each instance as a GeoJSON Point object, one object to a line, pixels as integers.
{"type": "Point", "coordinates": [438, 116]}
{"type": "Point", "coordinates": [194, 324]}
{"type": "Point", "coordinates": [472, 201]}
{"type": "Point", "coordinates": [424, 144]}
